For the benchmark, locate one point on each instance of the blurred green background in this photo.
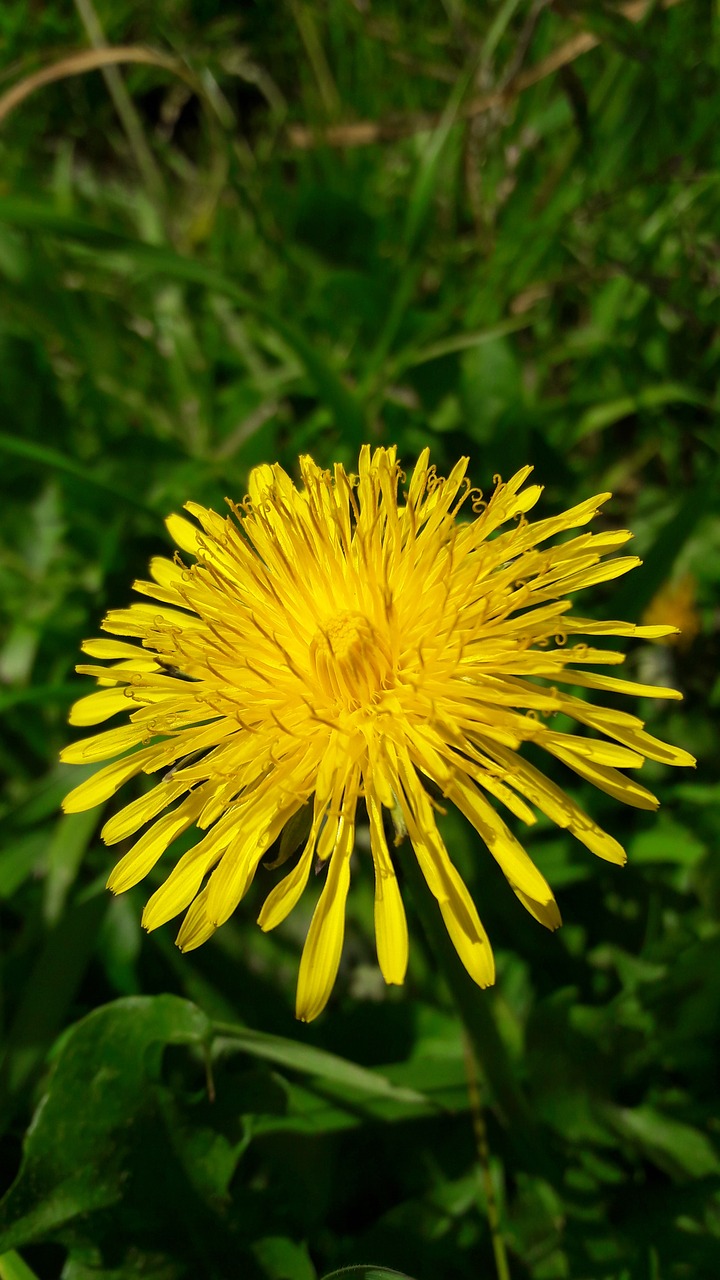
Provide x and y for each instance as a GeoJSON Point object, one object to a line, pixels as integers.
{"type": "Point", "coordinates": [492, 228]}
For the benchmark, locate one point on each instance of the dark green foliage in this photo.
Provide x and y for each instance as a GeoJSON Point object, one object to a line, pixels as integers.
{"type": "Point", "coordinates": [534, 283]}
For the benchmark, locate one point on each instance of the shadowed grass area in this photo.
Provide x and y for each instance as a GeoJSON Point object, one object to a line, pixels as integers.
{"type": "Point", "coordinates": [293, 227]}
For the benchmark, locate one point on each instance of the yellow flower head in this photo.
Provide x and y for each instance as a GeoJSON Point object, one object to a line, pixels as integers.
{"type": "Point", "coordinates": [351, 639]}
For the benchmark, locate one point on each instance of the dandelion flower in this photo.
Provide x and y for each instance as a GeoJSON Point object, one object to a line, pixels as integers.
{"type": "Point", "coordinates": [347, 639]}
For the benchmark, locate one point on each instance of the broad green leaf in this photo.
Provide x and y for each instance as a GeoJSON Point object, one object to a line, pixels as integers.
{"type": "Point", "coordinates": [100, 1112]}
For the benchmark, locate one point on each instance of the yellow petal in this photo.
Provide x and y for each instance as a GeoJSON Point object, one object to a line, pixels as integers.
{"type": "Point", "coordinates": [232, 879]}
{"type": "Point", "coordinates": [605, 778]}
{"type": "Point", "coordinates": [284, 896]}
{"type": "Point", "coordinates": [183, 533]}
{"type": "Point", "coordinates": [418, 478]}
{"type": "Point", "coordinates": [507, 851]}
{"type": "Point", "coordinates": [103, 745]}
{"type": "Point", "coordinates": [141, 619]}
{"type": "Point", "coordinates": [604, 572]}
{"type": "Point", "coordinates": [568, 745]}
{"type": "Point", "coordinates": [146, 851]}
{"type": "Point", "coordinates": [466, 931]}
{"type": "Point", "coordinates": [168, 595]}
{"type": "Point", "coordinates": [323, 945]}
{"type": "Point", "coordinates": [546, 913]}
{"type": "Point", "coordinates": [197, 927]}
{"type": "Point", "coordinates": [507, 797]}
{"type": "Point", "coordinates": [458, 909]}
{"type": "Point", "coordinates": [213, 524]}
{"type": "Point", "coordinates": [560, 807]}
{"type": "Point", "coordinates": [103, 784]}
{"type": "Point", "coordinates": [391, 931]}
{"type": "Point", "coordinates": [101, 648]}
{"type": "Point", "coordinates": [611, 684]}
{"type": "Point", "coordinates": [134, 815]}
{"type": "Point", "coordinates": [96, 707]}
{"type": "Point", "coordinates": [183, 882]}
{"type": "Point", "coordinates": [593, 627]}
{"type": "Point", "coordinates": [628, 730]}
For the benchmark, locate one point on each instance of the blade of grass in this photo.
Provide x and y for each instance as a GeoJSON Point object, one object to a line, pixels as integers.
{"type": "Point", "coordinates": [38, 693]}
{"type": "Point", "coordinates": [423, 190]}
{"type": "Point", "coordinates": [56, 461]}
{"type": "Point", "coordinates": [87, 60]}
{"type": "Point", "coordinates": [366, 133]}
{"type": "Point", "coordinates": [125, 107]}
{"type": "Point", "coordinates": [459, 342]}
{"type": "Point", "coordinates": [158, 260]}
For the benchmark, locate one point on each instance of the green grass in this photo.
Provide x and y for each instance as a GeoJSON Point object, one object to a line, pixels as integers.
{"type": "Point", "coordinates": [185, 293]}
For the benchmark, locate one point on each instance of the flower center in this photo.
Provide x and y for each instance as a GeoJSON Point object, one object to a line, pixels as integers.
{"type": "Point", "coordinates": [350, 659]}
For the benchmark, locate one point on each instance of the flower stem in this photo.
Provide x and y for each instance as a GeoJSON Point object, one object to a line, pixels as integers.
{"type": "Point", "coordinates": [473, 1004]}
{"type": "Point", "coordinates": [486, 1052]}
{"type": "Point", "coordinates": [491, 1205]}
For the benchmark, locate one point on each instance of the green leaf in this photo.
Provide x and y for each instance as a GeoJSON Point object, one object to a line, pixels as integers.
{"type": "Point", "coordinates": [366, 1273]}
{"type": "Point", "coordinates": [613, 29]}
{"type": "Point", "coordinates": [679, 1149]}
{"type": "Point", "coordinates": [666, 841]}
{"type": "Point", "coordinates": [12, 1267]}
{"type": "Point", "coordinates": [283, 1259]}
{"type": "Point", "coordinates": [98, 1120]}
{"type": "Point", "coordinates": [413, 358]}
{"type": "Point", "coordinates": [42, 693]}
{"type": "Point", "coordinates": [18, 860]}
{"type": "Point", "coordinates": [315, 1062]}
{"type": "Point", "coordinates": [654, 397]}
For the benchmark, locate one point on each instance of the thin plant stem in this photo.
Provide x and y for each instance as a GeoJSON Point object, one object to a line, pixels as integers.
{"type": "Point", "coordinates": [123, 103]}
{"type": "Point", "coordinates": [475, 1009]}
{"type": "Point", "coordinates": [492, 1211]}
{"type": "Point", "coordinates": [306, 24]}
